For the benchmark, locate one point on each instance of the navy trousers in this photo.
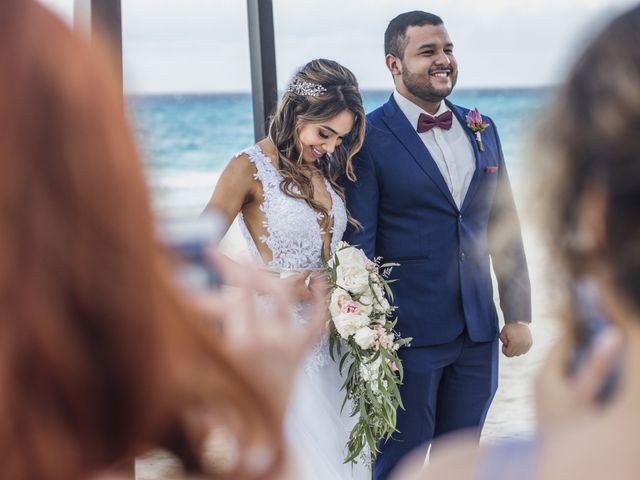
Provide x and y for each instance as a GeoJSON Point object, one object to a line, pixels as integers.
{"type": "Point", "coordinates": [446, 388]}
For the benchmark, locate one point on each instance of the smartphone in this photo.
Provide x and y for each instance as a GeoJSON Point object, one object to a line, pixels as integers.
{"type": "Point", "coordinates": [591, 323]}
{"type": "Point", "coordinates": [190, 238]}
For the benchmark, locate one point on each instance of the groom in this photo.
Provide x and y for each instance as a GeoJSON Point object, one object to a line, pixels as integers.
{"type": "Point", "coordinates": [434, 196]}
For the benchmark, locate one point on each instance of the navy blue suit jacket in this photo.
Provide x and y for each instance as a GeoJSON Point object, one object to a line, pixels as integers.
{"type": "Point", "coordinates": [409, 216]}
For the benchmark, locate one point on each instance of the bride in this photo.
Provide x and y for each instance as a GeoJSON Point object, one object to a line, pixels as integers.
{"type": "Point", "coordinates": [291, 211]}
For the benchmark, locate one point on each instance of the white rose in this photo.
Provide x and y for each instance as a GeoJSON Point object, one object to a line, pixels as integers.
{"type": "Point", "coordinates": [341, 246]}
{"type": "Point", "coordinates": [365, 337]}
{"type": "Point", "coordinates": [338, 298]}
{"type": "Point", "coordinates": [351, 272]}
{"type": "Point", "coordinates": [352, 278]}
{"type": "Point", "coordinates": [349, 323]}
{"type": "Point", "coordinates": [351, 257]}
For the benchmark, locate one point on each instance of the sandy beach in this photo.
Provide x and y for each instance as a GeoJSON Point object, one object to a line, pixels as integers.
{"type": "Point", "coordinates": [512, 412]}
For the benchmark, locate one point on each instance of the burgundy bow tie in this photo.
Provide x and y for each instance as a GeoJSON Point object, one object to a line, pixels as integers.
{"type": "Point", "coordinates": [427, 122]}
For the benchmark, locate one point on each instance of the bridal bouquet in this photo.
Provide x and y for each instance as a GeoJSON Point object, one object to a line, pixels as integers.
{"type": "Point", "coordinates": [363, 339]}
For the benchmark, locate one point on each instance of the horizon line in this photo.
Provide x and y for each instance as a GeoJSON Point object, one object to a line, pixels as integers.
{"type": "Point", "coordinates": [368, 90]}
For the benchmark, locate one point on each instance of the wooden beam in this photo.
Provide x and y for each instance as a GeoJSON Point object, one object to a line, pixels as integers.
{"type": "Point", "coordinates": [107, 14]}
{"type": "Point", "coordinates": [262, 48]}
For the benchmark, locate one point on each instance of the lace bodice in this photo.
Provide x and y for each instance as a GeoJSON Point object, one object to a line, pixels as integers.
{"type": "Point", "coordinates": [294, 235]}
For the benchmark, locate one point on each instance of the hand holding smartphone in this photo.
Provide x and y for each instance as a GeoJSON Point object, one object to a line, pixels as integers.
{"type": "Point", "coordinates": [593, 350]}
{"type": "Point", "coordinates": [191, 239]}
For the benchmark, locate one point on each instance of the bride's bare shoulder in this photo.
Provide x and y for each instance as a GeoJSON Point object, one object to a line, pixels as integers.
{"type": "Point", "coordinates": [243, 163]}
{"type": "Point", "coordinates": [267, 147]}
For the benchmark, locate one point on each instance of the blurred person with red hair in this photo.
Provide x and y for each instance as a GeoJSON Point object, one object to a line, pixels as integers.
{"type": "Point", "coordinates": [102, 355]}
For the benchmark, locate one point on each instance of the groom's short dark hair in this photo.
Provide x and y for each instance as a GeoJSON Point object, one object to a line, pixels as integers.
{"type": "Point", "coordinates": [395, 35]}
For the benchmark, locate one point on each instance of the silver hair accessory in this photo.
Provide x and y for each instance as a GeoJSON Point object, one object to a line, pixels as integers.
{"type": "Point", "coordinates": [306, 89]}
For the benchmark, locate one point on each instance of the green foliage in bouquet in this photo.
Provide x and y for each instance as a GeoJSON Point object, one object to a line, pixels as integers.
{"type": "Point", "coordinates": [365, 345]}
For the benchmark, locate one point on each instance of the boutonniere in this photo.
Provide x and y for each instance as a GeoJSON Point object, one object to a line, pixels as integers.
{"type": "Point", "coordinates": [477, 125]}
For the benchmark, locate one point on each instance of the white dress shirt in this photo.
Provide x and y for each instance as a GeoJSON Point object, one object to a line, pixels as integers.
{"type": "Point", "coordinates": [451, 149]}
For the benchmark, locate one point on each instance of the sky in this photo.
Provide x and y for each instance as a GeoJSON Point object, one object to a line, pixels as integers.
{"type": "Point", "coordinates": [181, 46]}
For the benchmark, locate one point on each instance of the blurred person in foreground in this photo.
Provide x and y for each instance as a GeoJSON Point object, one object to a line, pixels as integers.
{"type": "Point", "coordinates": [588, 424]}
{"type": "Point", "coordinates": [102, 355]}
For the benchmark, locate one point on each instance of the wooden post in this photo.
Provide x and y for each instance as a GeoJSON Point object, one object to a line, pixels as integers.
{"type": "Point", "coordinates": [87, 14]}
{"type": "Point", "coordinates": [264, 87]}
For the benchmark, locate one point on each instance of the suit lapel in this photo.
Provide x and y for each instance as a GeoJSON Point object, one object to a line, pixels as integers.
{"type": "Point", "coordinates": [475, 180]}
{"type": "Point", "coordinates": [407, 135]}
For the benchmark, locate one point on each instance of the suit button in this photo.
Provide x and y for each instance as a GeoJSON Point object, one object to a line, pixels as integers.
{"type": "Point", "coordinates": [462, 256]}
{"type": "Point", "coordinates": [460, 217]}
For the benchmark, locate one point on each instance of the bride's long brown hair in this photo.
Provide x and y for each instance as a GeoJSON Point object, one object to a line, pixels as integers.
{"type": "Point", "coordinates": [295, 109]}
{"type": "Point", "coordinates": [101, 356]}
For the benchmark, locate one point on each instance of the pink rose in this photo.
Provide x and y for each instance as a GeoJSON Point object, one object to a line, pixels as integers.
{"type": "Point", "coordinates": [351, 307]}
{"type": "Point", "coordinates": [377, 328]}
{"type": "Point", "coordinates": [384, 339]}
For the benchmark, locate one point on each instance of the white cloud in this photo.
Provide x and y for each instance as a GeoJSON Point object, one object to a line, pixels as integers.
{"type": "Point", "coordinates": [62, 7]}
{"type": "Point", "coordinates": [186, 46]}
{"type": "Point", "coordinates": [199, 45]}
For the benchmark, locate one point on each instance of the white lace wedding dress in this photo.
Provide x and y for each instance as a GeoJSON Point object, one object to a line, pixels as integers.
{"type": "Point", "coordinates": [316, 430]}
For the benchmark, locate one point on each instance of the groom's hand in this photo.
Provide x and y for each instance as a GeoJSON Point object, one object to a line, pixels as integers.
{"type": "Point", "coordinates": [516, 339]}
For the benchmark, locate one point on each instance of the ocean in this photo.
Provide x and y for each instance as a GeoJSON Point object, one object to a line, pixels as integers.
{"type": "Point", "coordinates": [186, 140]}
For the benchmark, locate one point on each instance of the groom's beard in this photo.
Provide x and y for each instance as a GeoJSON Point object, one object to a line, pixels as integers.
{"type": "Point", "coordinates": [420, 86]}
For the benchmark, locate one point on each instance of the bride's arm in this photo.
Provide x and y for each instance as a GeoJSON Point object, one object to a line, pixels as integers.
{"type": "Point", "coordinates": [235, 188]}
